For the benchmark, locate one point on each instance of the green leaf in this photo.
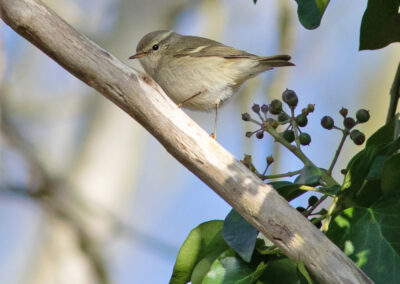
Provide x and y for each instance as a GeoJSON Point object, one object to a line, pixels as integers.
{"type": "Point", "coordinates": [391, 175]}
{"type": "Point", "coordinates": [202, 240]}
{"type": "Point", "coordinates": [370, 236]}
{"type": "Point", "coordinates": [310, 12]}
{"type": "Point", "coordinates": [380, 25]}
{"type": "Point", "coordinates": [239, 235]}
{"type": "Point", "coordinates": [385, 134]}
{"type": "Point", "coordinates": [331, 190]}
{"type": "Point", "coordinates": [376, 169]}
{"type": "Point", "coordinates": [370, 192]}
{"type": "Point", "coordinates": [303, 274]}
{"type": "Point", "coordinates": [279, 271]}
{"type": "Point", "coordinates": [358, 188]}
{"type": "Point", "coordinates": [287, 190]}
{"type": "Point", "coordinates": [310, 175]}
{"type": "Point", "coordinates": [203, 266]}
{"type": "Point", "coordinates": [229, 268]}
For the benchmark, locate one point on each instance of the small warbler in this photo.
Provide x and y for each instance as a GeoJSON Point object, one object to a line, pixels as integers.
{"type": "Point", "coordinates": [199, 73]}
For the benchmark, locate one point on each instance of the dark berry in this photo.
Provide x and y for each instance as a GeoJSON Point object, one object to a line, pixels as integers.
{"type": "Point", "coordinates": [290, 97]}
{"type": "Point", "coordinates": [357, 136]}
{"type": "Point", "coordinates": [343, 111]}
{"type": "Point", "coordinates": [246, 116]}
{"type": "Point", "coordinates": [256, 108]}
{"type": "Point", "coordinates": [283, 117]}
{"type": "Point", "coordinates": [305, 139]}
{"type": "Point", "coordinates": [301, 120]}
{"type": "Point", "coordinates": [301, 209]}
{"type": "Point", "coordinates": [312, 200]}
{"type": "Point", "coordinates": [349, 122]}
{"type": "Point", "coordinates": [327, 122]}
{"type": "Point", "coordinates": [264, 108]}
{"type": "Point", "coordinates": [288, 135]}
{"type": "Point", "coordinates": [275, 107]}
{"type": "Point", "coordinates": [260, 134]}
{"type": "Point", "coordinates": [362, 115]}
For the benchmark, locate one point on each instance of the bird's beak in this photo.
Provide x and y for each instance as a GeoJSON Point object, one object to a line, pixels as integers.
{"type": "Point", "coordinates": [138, 55]}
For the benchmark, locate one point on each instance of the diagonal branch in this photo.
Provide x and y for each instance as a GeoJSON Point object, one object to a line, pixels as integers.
{"type": "Point", "coordinates": [139, 96]}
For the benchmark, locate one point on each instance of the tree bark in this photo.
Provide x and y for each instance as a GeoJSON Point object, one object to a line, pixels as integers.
{"type": "Point", "coordinates": [139, 96]}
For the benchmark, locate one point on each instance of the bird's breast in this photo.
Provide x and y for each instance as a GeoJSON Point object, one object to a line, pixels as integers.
{"type": "Point", "coordinates": [212, 78]}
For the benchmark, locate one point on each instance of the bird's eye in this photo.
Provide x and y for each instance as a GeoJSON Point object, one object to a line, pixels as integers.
{"type": "Point", "coordinates": [155, 47]}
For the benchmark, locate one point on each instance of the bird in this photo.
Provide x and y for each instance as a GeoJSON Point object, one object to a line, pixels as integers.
{"type": "Point", "coordinates": [198, 73]}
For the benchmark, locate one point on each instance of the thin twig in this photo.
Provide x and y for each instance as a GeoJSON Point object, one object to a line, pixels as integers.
{"type": "Point", "coordinates": [339, 149]}
{"type": "Point", "coordinates": [293, 122]}
{"type": "Point", "coordinates": [312, 208]}
{"type": "Point", "coordinates": [288, 174]}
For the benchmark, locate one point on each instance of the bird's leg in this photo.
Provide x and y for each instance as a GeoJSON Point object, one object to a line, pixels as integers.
{"type": "Point", "coordinates": [188, 99]}
{"type": "Point", "coordinates": [214, 135]}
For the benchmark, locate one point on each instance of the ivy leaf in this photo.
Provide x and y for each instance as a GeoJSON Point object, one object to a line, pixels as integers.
{"type": "Point", "coordinates": [380, 25]}
{"type": "Point", "coordinates": [310, 175]}
{"type": "Point", "coordinates": [310, 12]}
{"type": "Point", "coordinates": [375, 172]}
{"type": "Point", "coordinates": [287, 190]}
{"type": "Point", "coordinates": [360, 187]}
{"type": "Point", "coordinates": [303, 274]}
{"type": "Point", "coordinates": [385, 134]}
{"type": "Point", "coordinates": [202, 240]}
{"type": "Point", "coordinates": [229, 268]}
{"type": "Point", "coordinates": [203, 266]}
{"type": "Point", "coordinates": [391, 174]}
{"type": "Point", "coordinates": [370, 237]}
{"type": "Point", "coordinates": [280, 271]}
{"type": "Point", "coordinates": [239, 235]}
{"type": "Point", "coordinates": [331, 190]}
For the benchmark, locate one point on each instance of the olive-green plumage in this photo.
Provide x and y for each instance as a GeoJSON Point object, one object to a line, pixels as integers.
{"type": "Point", "coordinates": [199, 73]}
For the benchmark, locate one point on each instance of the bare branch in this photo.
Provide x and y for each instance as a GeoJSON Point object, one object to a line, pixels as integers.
{"type": "Point", "coordinates": [143, 99]}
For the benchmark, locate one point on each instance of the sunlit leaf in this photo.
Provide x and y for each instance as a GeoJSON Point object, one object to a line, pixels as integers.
{"type": "Point", "coordinates": [370, 236]}
{"type": "Point", "coordinates": [229, 268]}
{"type": "Point", "coordinates": [202, 240]}
{"type": "Point", "coordinates": [303, 274]}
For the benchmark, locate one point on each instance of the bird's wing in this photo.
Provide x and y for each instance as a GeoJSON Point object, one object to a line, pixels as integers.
{"type": "Point", "coordinates": [203, 47]}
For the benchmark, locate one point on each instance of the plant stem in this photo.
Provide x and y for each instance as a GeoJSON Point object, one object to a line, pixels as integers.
{"type": "Point", "coordinates": [394, 96]}
{"type": "Point", "coordinates": [295, 129]}
{"type": "Point", "coordinates": [288, 174]}
{"type": "Point", "coordinates": [312, 208]}
{"type": "Point", "coordinates": [329, 214]}
{"type": "Point", "coordinates": [318, 219]}
{"type": "Point", "coordinates": [335, 158]}
{"type": "Point", "coordinates": [298, 153]}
